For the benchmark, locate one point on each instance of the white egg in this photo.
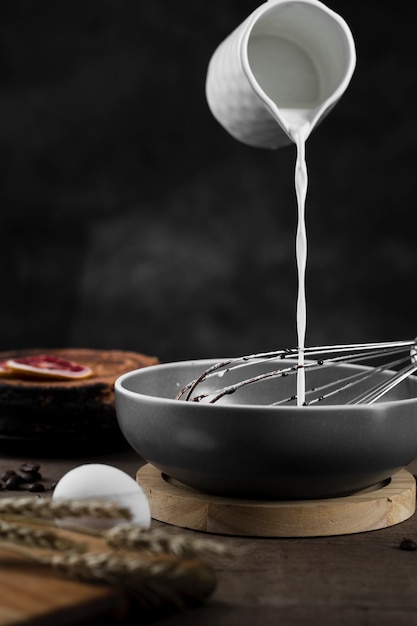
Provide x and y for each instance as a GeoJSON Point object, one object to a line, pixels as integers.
{"type": "Point", "coordinates": [104, 482]}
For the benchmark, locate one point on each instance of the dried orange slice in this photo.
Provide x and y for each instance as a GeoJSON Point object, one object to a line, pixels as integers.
{"type": "Point", "coordinates": [4, 369]}
{"type": "Point", "coordinates": [47, 366]}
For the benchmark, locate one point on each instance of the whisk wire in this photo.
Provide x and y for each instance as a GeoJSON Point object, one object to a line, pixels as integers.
{"type": "Point", "coordinates": [324, 356]}
{"type": "Point", "coordinates": [380, 390]}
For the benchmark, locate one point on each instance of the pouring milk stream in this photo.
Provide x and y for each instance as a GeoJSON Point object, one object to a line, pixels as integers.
{"type": "Point", "coordinates": [270, 83]}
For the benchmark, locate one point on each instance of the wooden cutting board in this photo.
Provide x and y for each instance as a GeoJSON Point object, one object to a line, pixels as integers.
{"type": "Point", "coordinates": [38, 595]}
{"type": "Point", "coordinates": [31, 593]}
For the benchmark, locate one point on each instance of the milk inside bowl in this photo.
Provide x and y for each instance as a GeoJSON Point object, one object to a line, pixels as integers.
{"type": "Point", "coordinates": [287, 65]}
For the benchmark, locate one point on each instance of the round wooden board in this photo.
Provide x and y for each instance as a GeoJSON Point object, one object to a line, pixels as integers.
{"type": "Point", "coordinates": [177, 504]}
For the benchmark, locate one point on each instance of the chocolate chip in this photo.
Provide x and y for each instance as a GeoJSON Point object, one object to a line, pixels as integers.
{"type": "Point", "coordinates": [35, 487]}
{"type": "Point", "coordinates": [13, 482]}
{"type": "Point", "coordinates": [30, 467]}
{"type": "Point", "coordinates": [7, 474]}
{"type": "Point", "coordinates": [408, 544]}
{"type": "Point", "coordinates": [29, 477]}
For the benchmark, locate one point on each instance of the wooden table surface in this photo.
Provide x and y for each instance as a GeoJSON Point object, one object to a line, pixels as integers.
{"type": "Point", "coordinates": [357, 579]}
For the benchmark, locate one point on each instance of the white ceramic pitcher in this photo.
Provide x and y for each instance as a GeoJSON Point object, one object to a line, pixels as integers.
{"type": "Point", "coordinates": [286, 65]}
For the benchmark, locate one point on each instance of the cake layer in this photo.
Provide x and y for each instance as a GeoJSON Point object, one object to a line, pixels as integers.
{"type": "Point", "coordinates": [66, 411]}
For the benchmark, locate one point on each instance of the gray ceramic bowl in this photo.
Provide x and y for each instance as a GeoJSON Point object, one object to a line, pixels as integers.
{"type": "Point", "coordinates": [243, 449]}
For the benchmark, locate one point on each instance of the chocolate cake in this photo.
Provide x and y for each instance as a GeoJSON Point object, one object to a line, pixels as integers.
{"type": "Point", "coordinates": [61, 416]}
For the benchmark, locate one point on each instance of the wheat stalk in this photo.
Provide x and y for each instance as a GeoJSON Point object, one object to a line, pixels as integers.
{"type": "Point", "coordinates": [149, 581]}
{"type": "Point", "coordinates": [159, 540]}
{"type": "Point", "coordinates": [47, 508]}
{"type": "Point", "coordinates": [170, 577]}
{"type": "Point", "coordinates": [163, 580]}
{"type": "Point", "coordinates": [37, 538]}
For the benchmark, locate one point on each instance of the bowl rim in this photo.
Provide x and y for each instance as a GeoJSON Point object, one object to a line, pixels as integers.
{"type": "Point", "coordinates": [121, 390]}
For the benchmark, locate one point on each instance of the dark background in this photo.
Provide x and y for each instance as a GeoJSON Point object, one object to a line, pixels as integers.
{"type": "Point", "coordinates": [130, 219]}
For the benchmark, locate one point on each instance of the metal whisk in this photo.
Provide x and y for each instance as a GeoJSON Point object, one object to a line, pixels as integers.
{"type": "Point", "coordinates": [365, 384]}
